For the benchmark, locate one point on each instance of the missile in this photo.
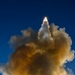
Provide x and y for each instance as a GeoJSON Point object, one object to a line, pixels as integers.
{"type": "Point", "coordinates": [45, 22]}
{"type": "Point", "coordinates": [44, 31]}
{"type": "Point", "coordinates": [46, 25]}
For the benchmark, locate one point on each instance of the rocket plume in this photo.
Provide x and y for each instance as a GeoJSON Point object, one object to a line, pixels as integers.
{"type": "Point", "coordinates": [45, 20]}
{"type": "Point", "coordinates": [42, 53]}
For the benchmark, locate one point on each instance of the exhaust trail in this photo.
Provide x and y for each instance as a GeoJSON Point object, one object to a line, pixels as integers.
{"type": "Point", "coordinates": [42, 53]}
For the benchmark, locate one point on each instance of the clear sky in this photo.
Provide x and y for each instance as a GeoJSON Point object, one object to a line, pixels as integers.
{"type": "Point", "coordinates": [16, 15]}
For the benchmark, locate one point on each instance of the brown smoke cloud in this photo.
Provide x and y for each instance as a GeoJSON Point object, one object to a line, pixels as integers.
{"type": "Point", "coordinates": [42, 53]}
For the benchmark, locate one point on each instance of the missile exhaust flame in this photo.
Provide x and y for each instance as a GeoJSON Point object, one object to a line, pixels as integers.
{"type": "Point", "coordinates": [45, 20]}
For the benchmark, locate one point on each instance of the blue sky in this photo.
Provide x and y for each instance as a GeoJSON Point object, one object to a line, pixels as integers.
{"type": "Point", "coordinates": [16, 15]}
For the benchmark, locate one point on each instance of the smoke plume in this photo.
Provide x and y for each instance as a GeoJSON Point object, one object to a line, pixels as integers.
{"type": "Point", "coordinates": [40, 53]}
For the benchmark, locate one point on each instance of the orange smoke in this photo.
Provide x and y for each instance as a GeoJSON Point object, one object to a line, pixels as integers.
{"type": "Point", "coordinates": [42, 53]}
